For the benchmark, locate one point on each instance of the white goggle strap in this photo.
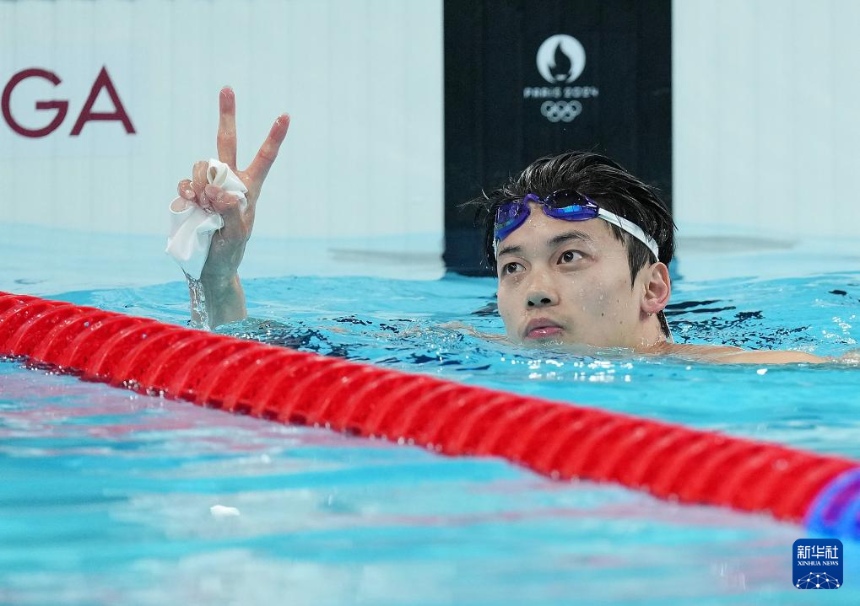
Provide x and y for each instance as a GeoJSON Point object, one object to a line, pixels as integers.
{"type": "Point", "coordinates": [628, 226]}
{"type": "Point", "coordinates": [632, 229]}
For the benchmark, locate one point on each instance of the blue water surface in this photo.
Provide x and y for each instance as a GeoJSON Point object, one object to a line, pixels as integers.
{"type": "Point", "coordinates": [107, 495]}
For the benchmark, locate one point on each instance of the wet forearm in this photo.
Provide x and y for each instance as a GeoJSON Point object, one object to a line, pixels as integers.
{"type": "Point", "coordinates": [217, 301]}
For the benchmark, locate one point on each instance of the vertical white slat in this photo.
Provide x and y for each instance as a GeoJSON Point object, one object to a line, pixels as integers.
{"type": "Point", "coordinates": [737, 116]}
{"type": "Point", "coordinates": [696, 111]}
{"type": "Point", "coordinates": [776, 71]}
{"type": "Point", "coordinates": [26, 167]}
{"type": "Point", "coordinates": [845, 126]}
{"type": "Point", "coordinates": [815, 107]}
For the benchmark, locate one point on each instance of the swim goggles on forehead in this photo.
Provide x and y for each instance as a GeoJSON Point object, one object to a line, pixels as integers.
{"type": "Point", "coordinates": [567, 205]}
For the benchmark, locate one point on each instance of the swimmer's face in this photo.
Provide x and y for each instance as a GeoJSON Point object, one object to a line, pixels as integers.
{"type": "Point", "coordinates": [566, 283]}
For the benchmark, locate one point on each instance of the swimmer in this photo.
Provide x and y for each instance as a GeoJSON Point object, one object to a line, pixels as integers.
{"type": "Point", "coordinates": [581, 249]}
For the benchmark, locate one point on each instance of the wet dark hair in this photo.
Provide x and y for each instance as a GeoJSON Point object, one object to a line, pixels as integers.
{"type": "Point", "coordinates": [602, 180]}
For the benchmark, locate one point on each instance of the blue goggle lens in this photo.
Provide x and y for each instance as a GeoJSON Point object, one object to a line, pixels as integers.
{"type": "Point", "coordinates": [565, 205]}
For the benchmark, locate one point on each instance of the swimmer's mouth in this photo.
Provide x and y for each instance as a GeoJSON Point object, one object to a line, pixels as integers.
{"type": "Point", "coordinates": [541, 328]}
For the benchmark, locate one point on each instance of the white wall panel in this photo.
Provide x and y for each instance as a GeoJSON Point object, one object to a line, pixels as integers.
{"type": "Point", "coordinates": [362, 80]}
{"type": "Point", "coordinates": [765, 119]}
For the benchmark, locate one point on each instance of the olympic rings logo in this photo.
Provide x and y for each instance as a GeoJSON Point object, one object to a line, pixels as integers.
{"type": "Point", "coordinates": [561, 111]}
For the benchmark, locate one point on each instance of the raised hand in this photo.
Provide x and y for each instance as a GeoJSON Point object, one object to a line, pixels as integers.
{"type": "Point", "coordinates": [228, 244]}
{"type": "Point", "coordinates": [224, 298]}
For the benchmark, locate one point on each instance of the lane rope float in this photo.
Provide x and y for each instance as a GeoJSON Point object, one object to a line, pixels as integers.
{"type": "Point", "coordinates": [559, 440]}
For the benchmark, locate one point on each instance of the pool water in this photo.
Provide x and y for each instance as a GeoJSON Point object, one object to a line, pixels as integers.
{"type": "Point", "coordinates": [107, 495]}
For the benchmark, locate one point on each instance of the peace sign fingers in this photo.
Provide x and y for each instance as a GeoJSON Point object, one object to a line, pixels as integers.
{"type": "Point", "coordinates": [227, 127]}
{"type": "Point", "coordinates": [259, 168]}
{"type": "Point", "coordinates": [257, 171]}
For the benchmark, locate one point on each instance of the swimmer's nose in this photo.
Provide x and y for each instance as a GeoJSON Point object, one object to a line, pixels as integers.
{"type": "Point", "coordinates": [540, 290]}
{"type": "Point", "coordinates": [540, 299]}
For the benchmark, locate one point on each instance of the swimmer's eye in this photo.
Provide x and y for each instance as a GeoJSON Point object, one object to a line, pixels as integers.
{"type": "Point", "coordinates": [569, 256]}
{"type": "Point", "coordinates": [511, 268]}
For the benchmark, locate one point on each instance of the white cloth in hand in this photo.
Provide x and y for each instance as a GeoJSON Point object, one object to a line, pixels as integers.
{"type": "Point", "coordinates": [191, 227]}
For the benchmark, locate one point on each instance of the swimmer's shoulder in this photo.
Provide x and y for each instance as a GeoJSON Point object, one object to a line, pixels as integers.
{"type": "Point", "coordinates": [724, 354]}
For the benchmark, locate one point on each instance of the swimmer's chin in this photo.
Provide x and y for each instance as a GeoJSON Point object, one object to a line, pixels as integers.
{"type": "Point", "coordinates": [566, 346]}
{"type": "Point", "coordinates": [553, 341]}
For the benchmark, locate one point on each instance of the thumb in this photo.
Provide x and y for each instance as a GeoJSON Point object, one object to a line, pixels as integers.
{"type": "Point", "coordinates": [223, 202]}
{"type": "Point", "coordinates": [229, 207]}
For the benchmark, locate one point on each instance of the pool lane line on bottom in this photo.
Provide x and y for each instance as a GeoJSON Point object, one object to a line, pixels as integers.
{"type": "Point", "coordinates": [559, 440]}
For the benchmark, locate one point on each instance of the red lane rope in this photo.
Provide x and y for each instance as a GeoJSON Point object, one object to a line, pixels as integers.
{"type": "Point", "coordinates": [556, 439]}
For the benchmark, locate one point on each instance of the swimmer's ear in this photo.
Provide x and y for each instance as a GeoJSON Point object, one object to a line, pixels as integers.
{"type": "Point", "coordinates": [658, 288]}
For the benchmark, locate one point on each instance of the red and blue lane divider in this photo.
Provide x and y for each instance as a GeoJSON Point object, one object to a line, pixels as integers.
{"type": "Point", "coordinates": [559, 440]}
